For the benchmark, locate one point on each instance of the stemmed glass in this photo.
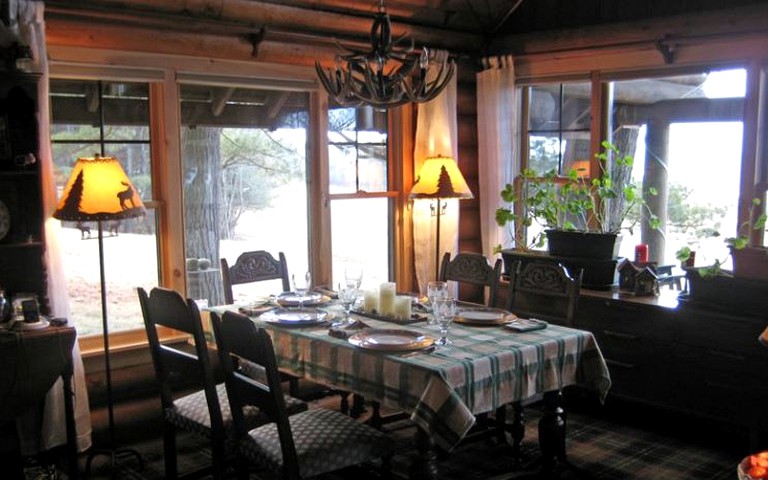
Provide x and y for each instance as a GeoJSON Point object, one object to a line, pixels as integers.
{"type": "Point", "coordinates": [347, 296]}
{"type": "Point", "coordinates": [301, 285]}
{"type": "Point", "coordinates": [436, 290]}
{"type": "Point", "coordinates": [353, 276]}
{"type": "Point", "coordinates": [444, 309]}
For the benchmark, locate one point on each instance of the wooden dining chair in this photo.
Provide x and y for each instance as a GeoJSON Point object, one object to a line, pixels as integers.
{"type": "Point", "coordinates": [546, 291]}
{"type": "Point", "coordinates": [255, 266]}
{"type": "Point", "coordinates": [303, 445]}
{"type": "Point", "coordinates": [477, 279]}
{"type": "Point", "coordinates": [205, 411]}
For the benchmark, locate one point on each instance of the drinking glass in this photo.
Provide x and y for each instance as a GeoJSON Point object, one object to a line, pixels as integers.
{"type": "Point", "coordinates": [444, 309]}
{"type": "Point", "coordinates": [436, 290]}
{"type": "Point", "coordinates": [347, 296]}
{"type": "Point", "coordinates": [301, 285]}
{"type": "Point", "coordinates": [353, 275]}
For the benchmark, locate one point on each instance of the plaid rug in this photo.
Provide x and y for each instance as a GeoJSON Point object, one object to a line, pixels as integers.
{"type": "Point", "coordinates": [599, 448]}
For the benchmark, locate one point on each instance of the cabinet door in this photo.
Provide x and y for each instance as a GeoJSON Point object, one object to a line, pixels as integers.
{"type": "Point", "coordinates": [631, 338]}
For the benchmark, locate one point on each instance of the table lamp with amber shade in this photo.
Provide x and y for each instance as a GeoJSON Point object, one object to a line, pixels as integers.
{"type": "Point", "coordinates": [99, 190]}
{"type": "Point", "coordinates": [439, 178]}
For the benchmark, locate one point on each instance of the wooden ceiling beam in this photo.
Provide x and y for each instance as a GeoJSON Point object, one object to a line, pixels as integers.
{"type": "Point", "coordinates": [239, 17]}
{"type": "Point", "coordinates": [220, 98]}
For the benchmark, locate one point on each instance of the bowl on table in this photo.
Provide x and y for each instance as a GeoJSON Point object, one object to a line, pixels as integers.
{"type": "Point", "coordinates": [754, 467]}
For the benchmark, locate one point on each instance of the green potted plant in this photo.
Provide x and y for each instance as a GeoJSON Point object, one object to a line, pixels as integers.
{"type": "Point", "coordinates": [581, 218]}
{"type": "Point", "coordinates": [749, 261]}
{"type": "Point", "coordinates": [739, 290]}
{"type": "Point", "coordinates": [575, 209]}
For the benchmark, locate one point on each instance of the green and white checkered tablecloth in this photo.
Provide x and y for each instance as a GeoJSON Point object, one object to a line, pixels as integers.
{"type": "Point", "coordinates": [486, 367]}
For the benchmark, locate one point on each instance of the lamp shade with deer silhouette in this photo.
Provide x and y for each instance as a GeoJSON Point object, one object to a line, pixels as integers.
{"type": "Point", "coordinates": [99, 189]}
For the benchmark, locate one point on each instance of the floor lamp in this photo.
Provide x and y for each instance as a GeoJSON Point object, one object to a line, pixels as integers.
{"type": "Point", "coordinates": [99, 190]}
{"type": "Point", "coordinates": [439, 178]}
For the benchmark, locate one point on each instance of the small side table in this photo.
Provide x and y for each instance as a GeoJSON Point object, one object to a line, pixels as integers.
{"type": "Point", "coordinates": [32, 361]}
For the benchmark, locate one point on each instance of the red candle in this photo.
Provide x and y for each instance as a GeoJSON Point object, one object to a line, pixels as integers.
{"type": "Point", "coordinates": [641, 253]}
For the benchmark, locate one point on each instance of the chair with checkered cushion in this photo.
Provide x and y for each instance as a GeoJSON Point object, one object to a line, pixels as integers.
{"type": "Point", "coordinates": [204, 412]}
{"type": "Point", "coordinates": [303, 445]}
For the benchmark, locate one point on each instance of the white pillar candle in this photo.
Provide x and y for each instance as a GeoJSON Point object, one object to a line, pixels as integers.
{"type": "Point", "coordinates": [370, 301]}
{"type": "Point", "coordinates": [403, 307]}
{"type": "Point", "coordinates": [387, 299]}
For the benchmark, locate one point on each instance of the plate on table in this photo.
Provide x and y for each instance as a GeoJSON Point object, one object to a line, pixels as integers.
{"type": "Point", "coordinates": [296, 317]}
{"type": "Point", "coordinates": [483, 316]}
{"type": "Point", "coordinates": [391, 340]}
{"type": "Point", "coordinates": [41, 323]}
{"type": "Point", "coordinates": [309, 299]}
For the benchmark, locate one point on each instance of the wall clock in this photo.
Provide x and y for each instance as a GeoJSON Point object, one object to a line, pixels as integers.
{"type": "Point", "coordinates": [5, 220]}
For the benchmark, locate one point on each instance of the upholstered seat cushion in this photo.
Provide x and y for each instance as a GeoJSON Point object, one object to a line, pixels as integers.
{"type": "Point", "coordinates": [190, 412]}
{"type": "Point", "coordinates": [325, 440]}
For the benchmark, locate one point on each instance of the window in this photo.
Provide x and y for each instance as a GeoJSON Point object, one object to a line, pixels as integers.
{"type": "Point", "coordinates": [244, 156]}
{"type": "Point", "coordinates": [361, 200]}
{"type": "Point", "coordinates": [685, 133]}
{"type": "Point", "coordinates": [106, 118]}
{"type": "Point", "coordinates": [557, 132]}
{"type": "Point", "coordinates": [558, 126]}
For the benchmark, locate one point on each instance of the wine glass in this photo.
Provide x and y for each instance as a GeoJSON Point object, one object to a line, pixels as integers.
{"type": "Point", "coordinates": [301, 286]}
{"type": "Point", "coordinates": [353, 275]}
{"type": "Point", "coordinates": [444, 309]}
{"type": "Point", "coordinates": [347, 296]}
{"type": "Point", "coordinates": [436, 290]}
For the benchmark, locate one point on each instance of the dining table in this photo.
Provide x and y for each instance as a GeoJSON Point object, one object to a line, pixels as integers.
{"type": "Point", "coordinates": [443, 389]}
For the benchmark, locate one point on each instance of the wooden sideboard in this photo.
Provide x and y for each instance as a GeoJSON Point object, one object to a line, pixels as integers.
{"type": "Point", "coordinates": [701, 361]}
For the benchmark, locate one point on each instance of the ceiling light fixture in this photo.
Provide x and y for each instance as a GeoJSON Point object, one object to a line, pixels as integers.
{"type": "Point", "coordinates": [386, 76]}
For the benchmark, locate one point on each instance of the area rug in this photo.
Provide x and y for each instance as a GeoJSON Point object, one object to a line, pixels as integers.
{"type": "Point", "coordinates": [599, 448]}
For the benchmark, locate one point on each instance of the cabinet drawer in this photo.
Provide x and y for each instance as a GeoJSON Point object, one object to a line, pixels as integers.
{"type": "Point", "coordinates": [625, 347]}
{"type": "Point", "coordinates": [636, 381]}
{"type": "Point", "coordinates": [624, 318]}
{"type": "Point", "coordinates": [737, 335]}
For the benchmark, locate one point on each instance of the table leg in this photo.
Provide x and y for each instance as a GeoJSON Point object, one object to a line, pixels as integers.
{"type": "Point", "coordinates": [425, 466]}
{"type": "Point", "coordinates": [552, 433]}
{"type": "Point", "coordinates": [69, 412]}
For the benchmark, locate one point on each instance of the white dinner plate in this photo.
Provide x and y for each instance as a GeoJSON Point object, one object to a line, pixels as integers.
{"type": "Point", "coordinates": [295, 317]}
{"type": "Point", "coordinates": [392, 340]}
{"type": "Point", "coordinates": [293, 299]}
{"type": "Point", "coordinates": [483, 316]}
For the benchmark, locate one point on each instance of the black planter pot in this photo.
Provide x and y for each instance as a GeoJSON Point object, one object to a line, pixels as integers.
{"type": "Point", "coordinates": [585, 245]}
{"type": "Point", "coordinates": [725, 293]}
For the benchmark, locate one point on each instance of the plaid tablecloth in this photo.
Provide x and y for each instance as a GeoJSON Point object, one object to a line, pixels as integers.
{"type": "Point", "coordinates": [485, 368]}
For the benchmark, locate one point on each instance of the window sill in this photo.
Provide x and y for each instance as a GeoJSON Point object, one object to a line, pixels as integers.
{"type": "Point", "coordinates": [126, 341]}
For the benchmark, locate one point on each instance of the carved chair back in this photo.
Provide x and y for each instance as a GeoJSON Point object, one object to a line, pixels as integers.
{"type": "Point", "coordinates": [477, 279]}
{"type": "Point", "coordinates": [255, 266]}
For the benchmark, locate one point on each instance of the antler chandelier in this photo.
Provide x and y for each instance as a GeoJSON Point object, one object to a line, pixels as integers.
{"type": "Point", "coordinates": [386, 76]}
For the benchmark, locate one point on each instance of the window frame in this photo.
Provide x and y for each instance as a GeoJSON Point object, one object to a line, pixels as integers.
{"type": "Point", "coordinates": [164, 73]}
{"type": "Point", "coordinates": [754, 161]}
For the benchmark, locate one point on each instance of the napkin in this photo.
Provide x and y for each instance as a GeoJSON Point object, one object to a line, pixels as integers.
{"type": "Point", "coordinates": [346, 330]}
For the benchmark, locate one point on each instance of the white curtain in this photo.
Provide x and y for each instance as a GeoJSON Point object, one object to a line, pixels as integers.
{"type": "Point", "coordinates": [497, 138]}
{"type": "Point", "coordinates": [31, 29]}
{"type": "Point", "coordinates": [435, 135]}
